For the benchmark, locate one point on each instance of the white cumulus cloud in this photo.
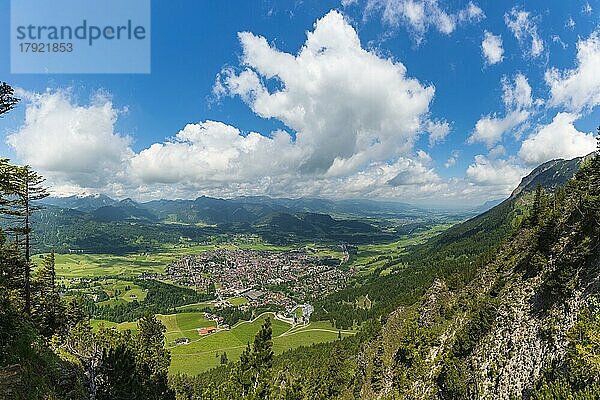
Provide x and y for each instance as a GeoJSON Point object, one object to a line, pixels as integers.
{"type": "Point", "coordinates": [347, 106]}
{"type": "Point", "coordinates": [487, 171]}
{"type": "Point", "coordinates": [558, 139]}
{"type": "Point", "coordinates": [517, 100]}
{"type": "Point", "coordinates": [69, 142]}
{"type": "Point", "coordinates": [578, 89]}
{"type": "Point", "coordinates": [492, 48]}
{"type": "Point", "coordinates": [212, 151]}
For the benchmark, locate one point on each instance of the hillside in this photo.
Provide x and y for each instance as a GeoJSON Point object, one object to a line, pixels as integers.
{"type": "Point", "coordinates": [99, 224]}
{"type": "Point", "coordinates": [525, 325]}
{"type": "Point", "coordinates": [550, 175]}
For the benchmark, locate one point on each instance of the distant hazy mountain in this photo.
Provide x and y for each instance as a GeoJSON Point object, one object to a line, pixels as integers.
{"type": "Point", "coordinates": [126, 209]}
{"type": "Point", "coordinates": [210, 210]}
{"type": "Point", "coordinates": [326, 206]}
{"type": "Point", "coordinates": [487, 205]}
{"type": "Point", "coordinates": [81, 202]}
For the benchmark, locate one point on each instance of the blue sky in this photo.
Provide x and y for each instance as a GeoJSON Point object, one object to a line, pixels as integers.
{"type": "Point", "coordinates": [419, 66]}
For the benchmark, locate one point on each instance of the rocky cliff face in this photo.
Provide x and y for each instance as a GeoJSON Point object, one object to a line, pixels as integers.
{"type": "Point", "coordinates": [511, 327]}
{"type": "Point", "coordinates": [527, 334]}
{"type": "Point", "coordinates": [526, 339]}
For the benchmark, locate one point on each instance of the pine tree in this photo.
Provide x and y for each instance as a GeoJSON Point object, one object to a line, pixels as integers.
{"type": "Point", "coordinates": [7, 98]}
{"type": "Point", "coordinates": [46, 275]}
{"type": "Point", "coordinates": [262, 350]}
{"type": "Point", "coordinates": [377, 371]}
{"type": "Point", "coordinates": [152, 359]}
{"type": "Point", "coordinates": [27, 188]}
{"type": "Point", "coordinates": [539, 205]}
{"type": "Point", "coordinates": [48, 310]}
{"type": "Point", "coordinates": [12, 266]}
{"type": "Point", "coordinates": [242, 375]}
{"type": "Point", "coordinates": [7, 173]}
{"type": "Point", "coordinates": [263, 347]}
{"type": "Point", "coordinates": [73, 313]}
{"type": "Point", "coordinates": [251, 377]}
{"type": "Point", "coordinates": [118, 371]}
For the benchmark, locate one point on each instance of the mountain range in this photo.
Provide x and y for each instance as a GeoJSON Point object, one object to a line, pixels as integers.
{"type": "Point", "coordinates": [242, 209]}
{"type": "Point", "coordinates": [99, 223]}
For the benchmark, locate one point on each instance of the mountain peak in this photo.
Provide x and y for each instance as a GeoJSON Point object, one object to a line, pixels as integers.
{"type": "Point", "coordinates": [550, 175]}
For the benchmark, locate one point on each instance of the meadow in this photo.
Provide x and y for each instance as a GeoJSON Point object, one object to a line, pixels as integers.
{"type": "Point", "coordinates": [204, 352]}
{"type": "Point", "coordinates": [373, 256]}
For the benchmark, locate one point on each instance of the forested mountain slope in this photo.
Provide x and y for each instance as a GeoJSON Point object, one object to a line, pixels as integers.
{"type": "Point", "coordinates": [525, 325]}
{"type": "Point", "coordinates": [99, 224]}
{"type": "Point", "coordinates": [456, 254]}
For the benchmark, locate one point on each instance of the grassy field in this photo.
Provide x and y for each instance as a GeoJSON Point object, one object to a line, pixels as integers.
{"type": "Point", "coordinates": [237, 301]}
{"type": "Point", "coordinates": [127, 266]}
{"type": "Point", "coordinates": [370, 257]}
{"type": "Point", "coordinates": [109, 324]}
{"type": "Point", "coordinates": [203, 352]}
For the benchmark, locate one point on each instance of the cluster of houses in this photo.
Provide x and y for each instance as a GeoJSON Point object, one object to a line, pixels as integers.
{"type": "Point", "coordinates": [218, 319]}
{"type": "Point", "coordinates": [262, 277]}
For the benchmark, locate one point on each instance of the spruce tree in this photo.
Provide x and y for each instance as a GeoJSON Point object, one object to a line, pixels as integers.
{"type": "Point", "coordinates": [118, 371]}
{"type": "Point", "coordinates": [263, 347]}
{"type": "Point", "coordinates": [152, 359]}
{"type": "Point", "coordinates": [252, 376]}
{"type": "Point", "coordinates": [243, 373]}
{"type": "Point", "coordinates": [539, 205]}
{"type": "Point", "coordinates": [26, 189]}
{"type": "Point", "coordinates": [7, 98]}
{"type": "Point", "coordinates": [47, 309]}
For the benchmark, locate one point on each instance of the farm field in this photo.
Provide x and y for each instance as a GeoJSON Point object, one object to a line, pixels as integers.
{"type": "Point", "coordinates": [203, 352]}
{"type": "Point", "coordinates": [373, 256]}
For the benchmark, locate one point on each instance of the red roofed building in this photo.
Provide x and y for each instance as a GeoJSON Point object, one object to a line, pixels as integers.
{"type": "Point", "coordinates": [207, 330]}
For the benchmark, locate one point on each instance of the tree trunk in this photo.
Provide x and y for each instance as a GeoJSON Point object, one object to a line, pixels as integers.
{"type": "Point", "coordinates": [27, 254]}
